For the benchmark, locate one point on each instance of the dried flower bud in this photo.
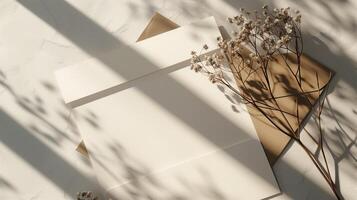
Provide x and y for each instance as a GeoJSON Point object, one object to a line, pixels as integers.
{"type": "Point", "coordinates": [286, 11]}
{"type": "Point", "coordinates": [205, 46]}
{"type": "Point", "coordinates": [268, 19]}
{"type": "Point", "coordinates": [195, 59]}
{"type": "Point", "coordinates": [216, 66]}
{"type": "Point", "coordinates": [211, 78]}
{"type": "Point", "coordinates": [86, 195]}
{"type": "Point", "coordinates": [288, 28]}
{"type": "Point", "coordinates": [285, 39]}
{"type": "Point", "coordinates": [196, 67]}
{"type": "Point", "coordinates": [237, 49]}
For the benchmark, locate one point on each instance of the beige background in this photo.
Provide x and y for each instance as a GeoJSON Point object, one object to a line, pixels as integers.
{"type": "Point", "coordinates": [38, 37]}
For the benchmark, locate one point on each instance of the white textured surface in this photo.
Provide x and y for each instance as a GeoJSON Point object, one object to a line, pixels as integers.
{"type": "Point", "coordinates": [39, 36]}
{"type": "Point", "coordinates": [159, 52]}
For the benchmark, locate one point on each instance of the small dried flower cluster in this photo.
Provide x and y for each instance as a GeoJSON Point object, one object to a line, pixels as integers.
{"type": "Point", "coordinates": [268, 31]}
{"type": "Point", "coordinates": [87, 195]}
{"type": "Point", "coordinates": [214, 61]}
{"type": "Point", "coordinates": [265, 34]}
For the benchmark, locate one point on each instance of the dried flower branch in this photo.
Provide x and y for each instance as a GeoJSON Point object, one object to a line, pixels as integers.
{"type": "Point", "coordinates": [258, 40]}
{"type": "Point", "coordinates": [86, 195]}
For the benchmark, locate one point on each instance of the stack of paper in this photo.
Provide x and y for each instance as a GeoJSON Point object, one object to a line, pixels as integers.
{"type": "Point", "coordinates": [162, 131]}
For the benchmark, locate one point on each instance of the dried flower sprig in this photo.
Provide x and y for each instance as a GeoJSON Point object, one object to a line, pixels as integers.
{"type": "Point", "coordinates": [86, 195]}
{"type": "Point", "coordinates": [257, 40]}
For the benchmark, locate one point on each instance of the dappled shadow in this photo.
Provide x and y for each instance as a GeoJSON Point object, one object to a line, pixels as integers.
{"type": "Point", "coordinates": [87, 37]}
{"type": "Point", "coordinates": [340, 145]}
{"type": "Point", "coordinates": [143, 184]}
{"type": "Point", "coordinates": [5, 184]}
{"type": "Point", "coordinates": [33, 151]}
{"type": "Point", "coordinates": [36, 108]}
{"type": "Point", "coordinates": [339, 127]}
{"type": "Point", "coordinates": [94, 40]}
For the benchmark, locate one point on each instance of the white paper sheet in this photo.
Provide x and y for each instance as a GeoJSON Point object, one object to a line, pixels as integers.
{"type": "Point", "coordinates": [81, 82]}
{"type": "Point", "coordinates": [170, 135]}
{"type": "Point", "coordinates": [171, 127]}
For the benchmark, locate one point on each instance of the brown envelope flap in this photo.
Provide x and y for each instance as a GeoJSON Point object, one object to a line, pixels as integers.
{"type": "Point", "coordinates": [284, 85]}
{"type": "Point", "coordinates": [158, 24]}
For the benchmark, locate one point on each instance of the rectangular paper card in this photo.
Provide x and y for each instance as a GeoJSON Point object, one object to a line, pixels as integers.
{"type": "Point", "coordinates": [174, 130]}
{"type": "Point", "coordinates": [158, 24]}
{"type": "Point", "coordinates": [80, 83]}
{"type": "Point", "coordinates": [170, 134]}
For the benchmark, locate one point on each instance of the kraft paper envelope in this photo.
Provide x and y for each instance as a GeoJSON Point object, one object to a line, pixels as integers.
{"type": "Point", "coordinates": [284, 85]}
{"type": "Point", "coordinates": [273, 141]}
{"type": "Point", "coordinates": [170, 134]}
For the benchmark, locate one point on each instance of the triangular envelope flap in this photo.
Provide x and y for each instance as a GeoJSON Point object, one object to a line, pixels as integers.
{"type": "Point", "coordinates": [157, 25]}
{"type": "Point", "coordinates": [104, 75]}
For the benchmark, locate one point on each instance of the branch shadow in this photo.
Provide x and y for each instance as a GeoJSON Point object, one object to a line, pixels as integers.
{"type": "Point", "coordinates": [340, 139]}
{"type": "Point", "coordinates": [7, 184]}
{"type": "Point", "coordinates": [33, 151]}
{"type": "Point", "coordinates": [94, 40]}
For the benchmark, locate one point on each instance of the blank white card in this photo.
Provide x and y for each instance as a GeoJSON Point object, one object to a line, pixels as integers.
{"type": "Point", "coordinates": [170, 134]}
{"type": "Point", "coordinates": [100, 76]}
